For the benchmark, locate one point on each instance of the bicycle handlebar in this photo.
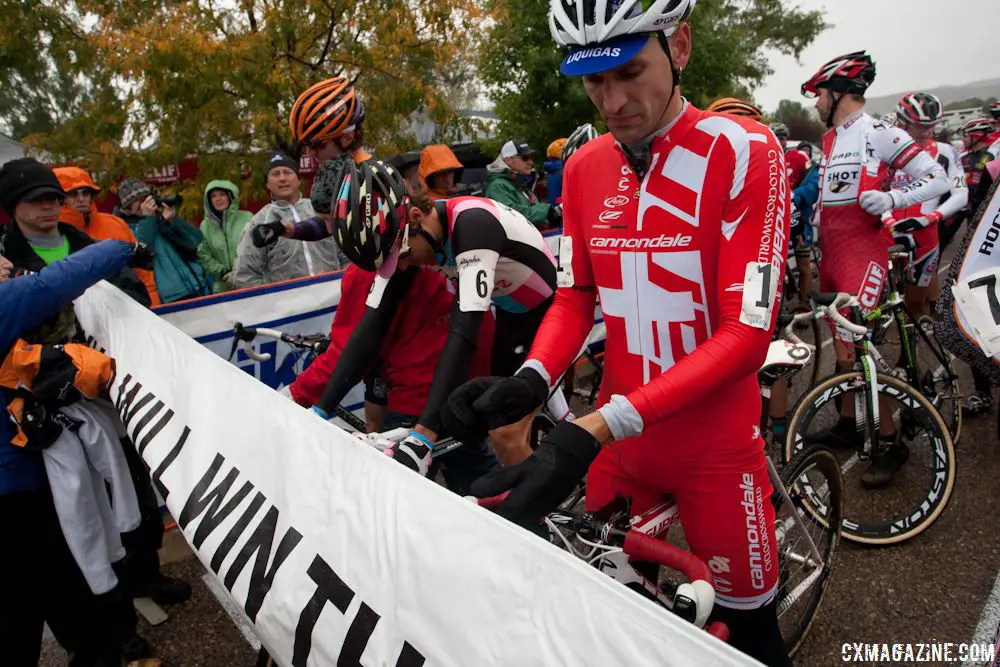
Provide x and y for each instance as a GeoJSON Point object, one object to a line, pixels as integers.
{"type": "Point", "coordinates": [833, 312]}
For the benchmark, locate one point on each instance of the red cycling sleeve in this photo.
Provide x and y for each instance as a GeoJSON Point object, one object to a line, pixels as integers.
{"type": "Point", "coordinates": [571, 315]}
{"type": "Point", "coordinates": [750, 271]}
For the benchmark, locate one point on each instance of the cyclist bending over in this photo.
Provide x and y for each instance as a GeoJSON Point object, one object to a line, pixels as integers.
{"type": "Point", "coordinates": [493, 253]}
{"type": "Point", "coordinates": [687, 267]}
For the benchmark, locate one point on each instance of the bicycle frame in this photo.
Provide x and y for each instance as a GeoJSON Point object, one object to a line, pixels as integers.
{"type": "Point", "coordinates": [896, 308]}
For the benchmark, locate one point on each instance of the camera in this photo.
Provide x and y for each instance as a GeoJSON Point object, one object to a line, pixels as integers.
{"type": "Point", "coordinates": [173, 201]}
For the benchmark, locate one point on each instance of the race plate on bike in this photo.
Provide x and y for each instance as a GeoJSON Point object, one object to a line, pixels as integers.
{"type": "Point", "coordinates": [784, 353]}
{"type": "Point", "coordinates": [978, 303]}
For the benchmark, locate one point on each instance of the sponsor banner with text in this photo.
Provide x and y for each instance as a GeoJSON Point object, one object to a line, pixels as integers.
{"type": "Point", "coordinates": [337, 554]}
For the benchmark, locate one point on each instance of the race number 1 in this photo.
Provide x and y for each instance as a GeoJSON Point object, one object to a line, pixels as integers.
{"type": "Point", "coordinates": [978, 302]}
{"type": "Point", "coordinates": [564, 275]}
{"type": "Point", "coordinates": [760, 284]}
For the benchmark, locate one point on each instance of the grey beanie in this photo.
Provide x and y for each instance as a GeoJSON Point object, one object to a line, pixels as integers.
{"type": "Point", "coordinates": [132, 190]}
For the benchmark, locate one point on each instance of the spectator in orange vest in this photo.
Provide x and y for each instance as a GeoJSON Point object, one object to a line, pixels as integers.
{"type": "Point", "coordinates": [439, 169]}
{"type": "Point", "coordinates": [80, 211]}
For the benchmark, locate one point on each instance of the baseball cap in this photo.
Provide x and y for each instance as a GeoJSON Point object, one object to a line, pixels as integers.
{"type": "Point", "coordinates": [516, 147]}
{"type": "Point", "coordinates": [597, 58]}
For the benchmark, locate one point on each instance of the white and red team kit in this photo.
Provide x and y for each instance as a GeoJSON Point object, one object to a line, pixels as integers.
{"type": "Point", "coordinates": [687, 264]}
{"type": "Point", "coordinates": [858, 156]}
{"type": "Point", "coordinates": [928, 252]}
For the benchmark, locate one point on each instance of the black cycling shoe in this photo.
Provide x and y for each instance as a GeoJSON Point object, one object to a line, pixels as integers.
{"type": "Point", "coordinates": [842, 435]}
{"type": "Point", "coordinates": [162, 589]}
{"type": "Point", "coordinates": [884, 466]}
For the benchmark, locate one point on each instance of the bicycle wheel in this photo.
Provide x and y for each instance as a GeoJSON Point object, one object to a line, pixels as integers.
{"type": "Point", "coordinates": [921, 486]}
{"type": "Point", "coordinates": [932, 371]}
{"type": "Point", "coordinates": [811, 479]}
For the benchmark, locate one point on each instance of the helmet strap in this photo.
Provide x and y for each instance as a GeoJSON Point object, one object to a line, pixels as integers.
{"type": "Point", "coordinates": [833, 107]}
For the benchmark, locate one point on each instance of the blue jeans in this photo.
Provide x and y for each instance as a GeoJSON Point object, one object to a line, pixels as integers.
{"type": "Point", "coordinates": [461, 467]}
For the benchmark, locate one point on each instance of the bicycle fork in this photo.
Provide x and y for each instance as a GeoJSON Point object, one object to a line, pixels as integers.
{"type": "Point", "coordinates": [811, 558]}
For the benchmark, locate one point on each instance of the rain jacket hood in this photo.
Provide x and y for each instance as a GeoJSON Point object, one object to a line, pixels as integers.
{"type": "Point", "coordinates": [221, 232]}
{"type": "Point", "coordinates": [435, 159]}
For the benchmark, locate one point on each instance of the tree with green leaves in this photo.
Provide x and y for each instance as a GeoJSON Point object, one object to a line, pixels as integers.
{"type": "Point", "coordinates": [801, 121]}
{"type": "Point", "coordinates": [123, 86]}
{"type": "Point", "coordinates": [520, 61]}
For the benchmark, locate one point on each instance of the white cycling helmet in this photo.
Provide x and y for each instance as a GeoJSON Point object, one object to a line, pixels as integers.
{"type": "Point", "coordinates": [604, 34]}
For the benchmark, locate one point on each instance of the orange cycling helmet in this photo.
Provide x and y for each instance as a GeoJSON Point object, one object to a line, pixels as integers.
{"type": "Point", "coordinates": [736, 107]}
{"type": "Point", "coordinates": [326, 111]}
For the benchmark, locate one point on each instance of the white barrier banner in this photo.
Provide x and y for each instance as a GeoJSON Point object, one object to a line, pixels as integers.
{"type": "Point", "coordinates": [337, 554]}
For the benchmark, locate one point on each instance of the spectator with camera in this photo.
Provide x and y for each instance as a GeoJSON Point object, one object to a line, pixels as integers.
{"type": "Point", "coordinates": [80, 211]}
{"type": "Point", "coordinates": [264, 256]}
{"type": "Point", "coordinates": [154, 221]}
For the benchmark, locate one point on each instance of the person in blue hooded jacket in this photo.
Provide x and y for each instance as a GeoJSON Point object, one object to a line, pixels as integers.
{"type": "Point", "coordinates": [553, 166]}
{"type": "Point", "coordinates": [39, 579]}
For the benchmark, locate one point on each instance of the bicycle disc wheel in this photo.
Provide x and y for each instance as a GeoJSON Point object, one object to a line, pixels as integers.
{"type": "Point", "coordinates": [924, 479]}
{"type": "Point", "coordinates": [934, 375]}
{"type": "Point", "coordinates": [812, 478]}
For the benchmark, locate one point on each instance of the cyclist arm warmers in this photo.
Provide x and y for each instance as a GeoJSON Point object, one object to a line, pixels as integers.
{"type": "Point", "coordinates": [453, 364]}
{"type": "Point", "coordinates": [312, 229]}
{"type": "Point", "coordinates": [958, 188]}
{"type": "Point", "coordinates": [571, 316]}
{"type": "Point", "coordinates": [363, 346]}
{"type": "Point", "coordinates": [927, 178]}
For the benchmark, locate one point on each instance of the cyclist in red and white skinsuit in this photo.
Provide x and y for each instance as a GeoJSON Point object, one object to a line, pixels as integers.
{"type": "Point", "coordinates": [918, 113]}
{"type": "Point", "coordinates": [678, 220]}
{"type": "Point", "coordinates": [858, 154]}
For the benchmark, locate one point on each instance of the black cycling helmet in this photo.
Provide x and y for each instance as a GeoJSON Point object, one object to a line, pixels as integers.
{"type": "Point", "coordinates": [580, 136]}
{"type": "Point", "coordinates": [995, 110]}
{"type": "Point", "coordinates": [919, 109]}
{"type": "Point", "coordinates": [369, 214]}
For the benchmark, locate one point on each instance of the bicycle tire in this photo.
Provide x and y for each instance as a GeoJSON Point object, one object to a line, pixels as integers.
{"type": "Point", "coordinates": [933, 374]}
{"type": "Point", "coordinates": [915, 409]}
{"type": "Point", "coordinates": [798, 472]}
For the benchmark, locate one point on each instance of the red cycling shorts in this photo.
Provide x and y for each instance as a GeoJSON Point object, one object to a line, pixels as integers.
{"type": "Point", "coordinates": [723, 496]}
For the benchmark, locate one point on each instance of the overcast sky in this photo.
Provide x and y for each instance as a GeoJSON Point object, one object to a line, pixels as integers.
{"type": "Point", "coordinates": [915, 43]}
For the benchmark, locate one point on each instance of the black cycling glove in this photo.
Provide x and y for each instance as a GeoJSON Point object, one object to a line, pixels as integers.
{"type": "Point", "coordinates": [142, 257]}
{"type": "Point", "coordinates": [544, 479]}
{"type": "Point", "coordinates": [268, 233]}
{"type": "Point", "coordinates": [486, 403]}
